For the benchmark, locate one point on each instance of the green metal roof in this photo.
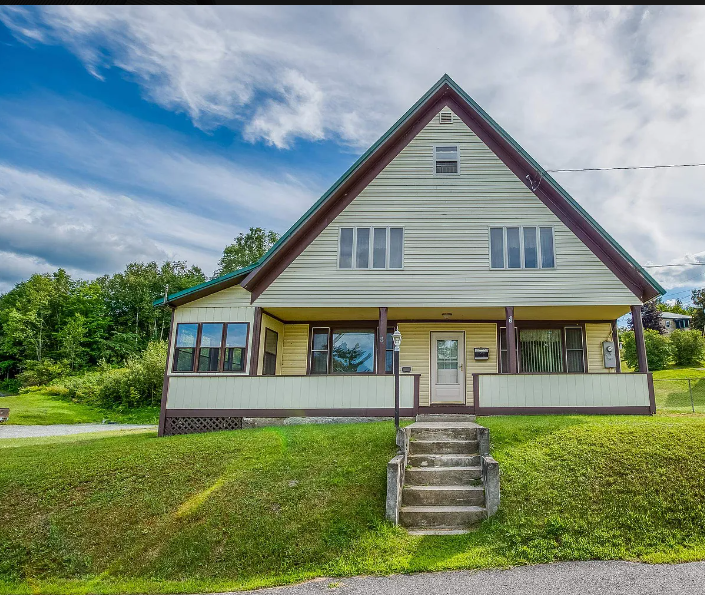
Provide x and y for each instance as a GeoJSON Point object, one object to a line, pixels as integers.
{"type": "Point", "coordinates": [445, 79]}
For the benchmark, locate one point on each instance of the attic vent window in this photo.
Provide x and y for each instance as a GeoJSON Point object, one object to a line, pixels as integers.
{"type": "Point", "coordinates": [446, 118]}
{"type": "Point", "coordinates": [446, 159]}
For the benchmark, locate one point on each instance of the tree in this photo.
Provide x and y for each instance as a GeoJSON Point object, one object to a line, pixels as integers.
{"type": "Point", "coordinates": [71, 338]}
{"type": "Point", "coordinates": [676, 307]}
{"type": "Point", "coordinates": [658, 350]}
{"type": "Point", "coordinates": [687, 347]}
{"type": "Point", "coordinates": [698, 312]}
{"type": "Point", "coordinates": [650, 318]}
{"type": "Point", "coordinates": [247, 249]}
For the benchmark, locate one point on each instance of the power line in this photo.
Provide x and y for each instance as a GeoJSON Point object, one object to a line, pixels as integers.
{"type": "Point", "coordinates": [626, 167]}
{"type": "Point", "coordinates": [687, 264]}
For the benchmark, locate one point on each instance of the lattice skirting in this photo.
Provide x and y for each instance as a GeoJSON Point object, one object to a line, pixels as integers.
{"type": "Point", "coordinates": [197, 425]}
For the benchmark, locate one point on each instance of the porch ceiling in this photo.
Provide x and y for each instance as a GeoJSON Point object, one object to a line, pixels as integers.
{"type": "Point", "coordinates": [577, 313]}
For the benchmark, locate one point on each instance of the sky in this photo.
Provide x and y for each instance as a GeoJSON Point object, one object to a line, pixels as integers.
{"type": "Point", "coordinates": [151, 133]}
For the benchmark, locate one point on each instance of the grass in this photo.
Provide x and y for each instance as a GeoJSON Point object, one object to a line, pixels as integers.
{"type": "Point", "coordinates": [673, 393]}
{"type": "Point", "coordinates": [40, 409]}
{"type": "Point", "coordinates": [232, 510]}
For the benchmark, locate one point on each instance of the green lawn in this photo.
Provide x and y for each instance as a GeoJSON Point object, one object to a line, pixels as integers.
{"type": "Point", "coordinates": [229, 510]}
{"type": "Point", "coordinates": [41, 409]}
{"type": "Point", "coordinates": [673, 394]}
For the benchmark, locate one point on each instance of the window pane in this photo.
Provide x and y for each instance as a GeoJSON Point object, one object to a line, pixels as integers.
{"type": "Point", "coordinates": [211, 335]}
{"type": "Point", "coordinates": [540, 350]}
{"type": "Point", "coordinates": [447, 361]}
{"type": "Point", "coordinates": [503, 356]}
{"type": "Point", "coordinates": [236, 335]}
{"type": "Point", "coordinates": [575, 360]}
{"type": "Point", "coordinates": [574, 349]}
{"type": "Point", "coordinates": [183, 359]}
{"type": "Point", "coordinates": [396, 247]}
{"type": "Point", "coordinates": [271, 338]}
{"type": "Point", "coordinates": [362, 251]}
{"type": "Point", "coordinates": [208, 359]}
{"type": "Point", "coordinates": [269, 364]}
{"type": "Point", "coordinates": [389, 362]}
{"type": "Point", "coordinates": [573, 338]}
{"type": "Point", "coordinates": [446, 167]}
{"type": "Point", "coordinates": [320, 339]}
{"type": "Point", "coordinates": [319, 362]}
{"type": "Point", "coordinates": [531, 258]}
{"type": "Point", "coordinates": [345, 248]}
{"type": "Point", "coordinates": [186, 335]}
{"type": "Point", "coordinates": [234, 359]}
{"type": "Point", "coordinates": [513, 248]}
{"type": "Point", "coordinates": [379, 255]}
{"type": "Point", "coordinates": [353, 351]}
{"type": "Point", "coordinates": [497, 248]}
{"type": "Point", "coordinates": [447, 160]}
{"type": "Point", "coordinates": [547, 258]}
{"type": "Point", "coordinates": [389, 343]}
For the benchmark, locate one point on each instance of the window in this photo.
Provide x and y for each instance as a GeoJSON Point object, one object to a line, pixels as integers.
{"type": "Point", "coordinates": [342, 351]}
{"type": "Point", "coordinates": [271, 339]}
{"type": "Point", "coordinates": [681, 323]}
{"type": "Point", "coordinates": [371, 247]}
{"type": "Point", "coordinates": [319, 350]}
{"type": "Point", "coordinates": [185, 347]}
{"type": "Point", "coordinates": [389, 351]}
{"type": "Point", "coordinates": [574, 356]}
{"type": "Point", "coordinates": [220, 347]}
{"type": "Point", "coordinates": [540, 350]}
{"type": "Point", "coordinates": [521, 248]}
{"type": "Point", "coordinates": [446, 159]}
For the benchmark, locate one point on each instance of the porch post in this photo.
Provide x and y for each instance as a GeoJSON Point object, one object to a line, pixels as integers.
{"type": "Point", "coordinates": [382, 341]}
{"type": "Point", "coordinates": [256, 331]}
{"type": "Point", "coordinates": [615, 339]}
{"type": "Point", "coordinates": [165, 385]}
{"type": "Point", "coordinates": [511, 340]}
{"type": "Point", "coordinates": [639, 338]}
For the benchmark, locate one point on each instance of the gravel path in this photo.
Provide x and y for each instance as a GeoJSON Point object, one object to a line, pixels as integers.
{"type": "Point", "coordinates": [565, 578]}
{"type": "Point", "coordinates": [63, 429]}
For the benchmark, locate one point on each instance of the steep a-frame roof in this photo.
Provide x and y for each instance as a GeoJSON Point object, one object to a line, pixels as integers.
{"type": "Point", "coordinates": [444, 93]}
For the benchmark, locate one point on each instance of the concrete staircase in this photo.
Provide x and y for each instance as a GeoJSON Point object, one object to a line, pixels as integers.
{"type": "Point", "coordinates": [443, 490]}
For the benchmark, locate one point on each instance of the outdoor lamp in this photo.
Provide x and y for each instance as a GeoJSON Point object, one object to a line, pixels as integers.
{"type": "Point", "coordinates": [397, 339]}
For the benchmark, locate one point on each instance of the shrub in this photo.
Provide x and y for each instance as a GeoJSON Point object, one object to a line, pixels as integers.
{"type": "Point", "coordinates": [687, 347]}
{"type": "Point", "coordinates": [38, 373]}
{"type": "Point", "coordinates": [10, 385]}
{"type": "Point", "coordinates": [658, 350]}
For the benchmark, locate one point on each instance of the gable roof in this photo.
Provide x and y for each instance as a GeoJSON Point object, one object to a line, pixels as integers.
{"type": "Point", "coordinates": [444, 93]}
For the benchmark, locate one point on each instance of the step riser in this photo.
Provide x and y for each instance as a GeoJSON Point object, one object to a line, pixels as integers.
{"type": "Point", "coordinates": [441, 497]}
{"type": "Point", "coordinates": [444, 460]}
{"type": "Point", "coordinates": [444, 434]}
{"type": "Point", "coordinates": [444, 417]}
{"type": "Point", "coordinates": [437, 448]}
{"type": "Point", "coordinates": [432, 519]}
{"type": "Point", "coordinates": [442, 476]}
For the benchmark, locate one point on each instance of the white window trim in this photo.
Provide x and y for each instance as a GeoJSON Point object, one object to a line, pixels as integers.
{"type": "Point", "coordinates": [457, 149]}
{"type": "Point", "coordinates": [505, 248]}
{"type": "Point", "coordinates": [370, 260]}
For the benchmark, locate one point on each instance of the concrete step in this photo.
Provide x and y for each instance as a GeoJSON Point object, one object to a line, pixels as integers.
{"type": "Point", "coordinates": [438, 447]}
{"type": "Point", "coordinates": [441, 517]}
{"type": "Point", "coordinates": [438, 531]}
{"type": "Point", "coordinates": [451, 460]}
{"type": "Point", "coordinates": [428, 432]}
{"type": "Point", "coordinates": [442, 476]}
{"type": "Point", "coordinates": [473, 495]}
{"type": "Point", "coordinates": [444, 417]}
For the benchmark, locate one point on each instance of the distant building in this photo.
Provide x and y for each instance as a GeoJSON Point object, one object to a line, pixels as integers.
{"type": "Point", "coordinates": [672, 321]}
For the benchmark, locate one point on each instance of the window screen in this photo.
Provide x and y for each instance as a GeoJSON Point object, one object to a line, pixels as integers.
{"type": "Point", "coordinates": [362, 248]}
{"type": "Point", "coordinates": [497, 248]}
{"type": "Point", "coordinates": [547, 256]}
{"type": "Point", "coordinates": [575, 362]}
{"type": "Point", "coordinates": [345, 249]}
{"type": "Point", "coordinates": [379, 250]}
{"type": "Point", "coordinates": [319, 350]}
{"type": "Point", "coordinates": [447, 160]}
{"type": "Point", "coordinates": [531, 251]}
{"type": "Point", "coordinates": [271, 339]}
{"type": "Point", "coordinates": [396, 247]}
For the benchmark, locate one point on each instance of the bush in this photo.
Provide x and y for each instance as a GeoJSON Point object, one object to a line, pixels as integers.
{"type": "Point", "coordinates": [658, 350]}
{"type": "Point", "coordinates": [39, 373]}
{"type": "Point", "coordinates": [10, 385]}
{"type": "Point", "coordinates": [687, 347]}
{"type": "Point", "coordinates": [138, 384]}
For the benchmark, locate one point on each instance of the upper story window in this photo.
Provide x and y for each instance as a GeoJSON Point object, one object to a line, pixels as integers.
{"type": "Point", "coordinates": [446, 159]}
{"type": "Point", "coordinates": [371, 248]}
{"type": "Point", "coordinates": [522, 248]}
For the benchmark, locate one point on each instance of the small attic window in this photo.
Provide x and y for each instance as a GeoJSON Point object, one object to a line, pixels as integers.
{"type": "Point", "coordinates": [446, 159]}
{"type": "Point", "coordinates": [445, 118]}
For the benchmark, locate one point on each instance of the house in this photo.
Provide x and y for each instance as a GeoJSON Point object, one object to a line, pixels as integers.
{"type": "Point", "coordinates": [672, 321]}
{"type": "Point", "coordinates": [505, 291]}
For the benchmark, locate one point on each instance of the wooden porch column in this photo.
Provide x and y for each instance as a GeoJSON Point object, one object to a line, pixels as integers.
{"type": "Point", "coordinates": [511, 341]}
{"type": "Point", "coordinates": [256, 331]}
{"type": "Point", "coordinates": [639, 338]}
{"type": "Point", "coordinates": [615, 339]}
{"type": "Point", "coordinates": [382, 341]}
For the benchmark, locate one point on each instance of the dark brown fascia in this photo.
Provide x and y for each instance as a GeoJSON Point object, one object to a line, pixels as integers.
{"type": "Point", "coordinates": [258, 280]}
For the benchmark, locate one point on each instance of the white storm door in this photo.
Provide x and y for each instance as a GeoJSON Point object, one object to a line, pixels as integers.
{"type": "Point", "coordinates": [447, 367]}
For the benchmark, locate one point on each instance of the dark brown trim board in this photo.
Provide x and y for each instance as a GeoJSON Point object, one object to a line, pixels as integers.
{"type": "Point", "coordinates": [448, 94]}
{"type": "Point", "coordinates": [369, 412]}
{"type": "Point", "coordinates": [256, 332]}
{"type": "Point", "coordinates": [165, 385]}
{"type": "Point", "coordinates": [639, 339]}
{"type": "Point", "coordinates": [633, 410]}
{"type": "Point", "coordinates": [512, 354]}
{"type": "Point", "coordinates": [615, 340]}
{"type": "Point", "coordinates": [433, 409]}
{"type": "Point", "coordinates": [381, 351]}
{"type": "Point", "coordinates": [652, 393]}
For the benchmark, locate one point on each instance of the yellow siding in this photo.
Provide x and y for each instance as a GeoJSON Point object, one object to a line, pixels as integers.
{"type": "Point", "coordinates": [446, 246]}
{"type": "Point", "coordinates": [271, 323]}
{"type": "Point", "coordinates": [295, 349]}
{"type": "Point", "coordinates": [595, 334]}
{"type": "Point", "coordinates": [415, 351]}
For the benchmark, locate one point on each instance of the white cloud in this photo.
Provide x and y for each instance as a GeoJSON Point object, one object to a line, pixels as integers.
{"type": "Point", "coordinates": [578, 87]}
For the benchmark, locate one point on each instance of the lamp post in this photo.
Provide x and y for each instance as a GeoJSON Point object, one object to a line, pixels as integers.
{"type": "Point", "coordinates": [397, 342]}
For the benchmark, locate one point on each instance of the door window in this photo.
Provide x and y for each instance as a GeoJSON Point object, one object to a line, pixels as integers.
{"type": "Point", "coordinates": [447, 361]}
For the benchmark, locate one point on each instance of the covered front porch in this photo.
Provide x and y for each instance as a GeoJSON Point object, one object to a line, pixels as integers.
{"type": "Point", "coordinates": [338, 361]}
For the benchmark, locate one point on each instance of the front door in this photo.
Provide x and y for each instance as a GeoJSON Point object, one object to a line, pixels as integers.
{"type": "Point", "coordinates": [447, 367]}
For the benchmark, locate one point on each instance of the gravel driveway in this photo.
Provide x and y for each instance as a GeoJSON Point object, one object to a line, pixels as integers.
{"type": "Point", "coordinates": [64, 429]}
{"type": "Point", "coordinates": [565, 578]}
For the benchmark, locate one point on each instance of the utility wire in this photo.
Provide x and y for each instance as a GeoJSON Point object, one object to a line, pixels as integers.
{"type": "Point", "coordinates": [627, 167]}
{"type": "Point", "coordinates": [687, 264]}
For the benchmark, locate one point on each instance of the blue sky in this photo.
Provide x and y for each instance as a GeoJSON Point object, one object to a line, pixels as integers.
{"type": "Point", "coordinates": [146, 133]}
